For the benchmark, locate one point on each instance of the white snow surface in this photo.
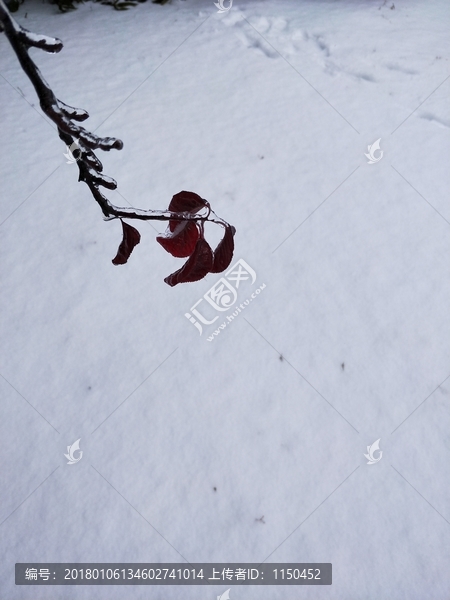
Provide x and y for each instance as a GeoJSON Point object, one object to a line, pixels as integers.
{"type": "Point", "coordinates": [267, 111]}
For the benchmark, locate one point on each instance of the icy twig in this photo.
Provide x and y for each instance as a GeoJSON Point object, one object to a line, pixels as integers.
{"type": "Point", "coordinates": [63, 116]}
{"type": "Point", "coordinates": [181, 240]}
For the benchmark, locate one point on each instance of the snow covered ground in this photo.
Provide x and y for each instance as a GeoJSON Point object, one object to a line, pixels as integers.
{"type": "Point", "coordinates": [249, 446]}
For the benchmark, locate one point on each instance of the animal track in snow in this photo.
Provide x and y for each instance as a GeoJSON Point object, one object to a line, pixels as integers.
{"type": "Point", "coordinates": [430, 117]}
{"type": "Point", "coordinates": [252, 33]}
{"type": "Point", "coordinates": [395, 67]}
{"type": "Point", "coordinates": [275, 37]}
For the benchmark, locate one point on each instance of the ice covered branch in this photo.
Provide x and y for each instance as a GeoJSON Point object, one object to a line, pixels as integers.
{"type": "Point", "coordinates": [187, 212]}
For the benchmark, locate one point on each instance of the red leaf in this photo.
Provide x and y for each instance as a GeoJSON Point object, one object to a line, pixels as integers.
{"type": "Point", "coordinates": [224, 251]}
{"type": "Point", "coordinates": [182, 241]}
{"type": "Point", "coordinates": [196, 267]}
{"type": "Point", "coordinates": [185, 202]}
{"type": "Point", "coordinates": [131, 237]}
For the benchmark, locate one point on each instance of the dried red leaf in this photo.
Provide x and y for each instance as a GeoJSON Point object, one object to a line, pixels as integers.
{"type": "Point", "coordinates": [196, 267]}
{"type": "Point", "coordinates": [223, 254]}
{"type": "Point", "coordinates": [131, 237]}
{"type": "Point", "coordinates": [181, 242]}
{"type": "Point", "coordinates": [185, 202]}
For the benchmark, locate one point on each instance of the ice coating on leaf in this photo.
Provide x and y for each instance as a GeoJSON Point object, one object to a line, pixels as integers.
{"type": "Point", "coordinates": [188, 202]}
{"type": "Point", "coordinates": [181, 242]}
{"type": "Point", "coordinates": [197, 266]}
{"type": "Point", "coordinates": [131, 238]}
{"type": "Point", "coordinates": [223, 254]}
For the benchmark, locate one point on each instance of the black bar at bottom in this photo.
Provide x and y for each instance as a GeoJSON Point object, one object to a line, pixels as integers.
{"type": "Point", "coordinates": [224, 574]}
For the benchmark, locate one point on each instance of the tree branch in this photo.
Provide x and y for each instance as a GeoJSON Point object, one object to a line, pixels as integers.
{"type": "Point", "coordinates": [190, 207]}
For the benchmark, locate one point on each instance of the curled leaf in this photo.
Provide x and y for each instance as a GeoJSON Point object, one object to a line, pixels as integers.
{"type": "Point", "coordinates": [131, 238]}
{"type": "Point", "coordinates": [185, 202]}
{"type": "Point", "coordinates": [197, 266]}
{"type": "Point", "coordinates": [223, 254]}
{"type": "Point", "coordinates": [181, 242]}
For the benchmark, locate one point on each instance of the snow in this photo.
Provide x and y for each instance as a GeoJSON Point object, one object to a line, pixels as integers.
{"type": "Point", "coordinates": [266, 111]}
